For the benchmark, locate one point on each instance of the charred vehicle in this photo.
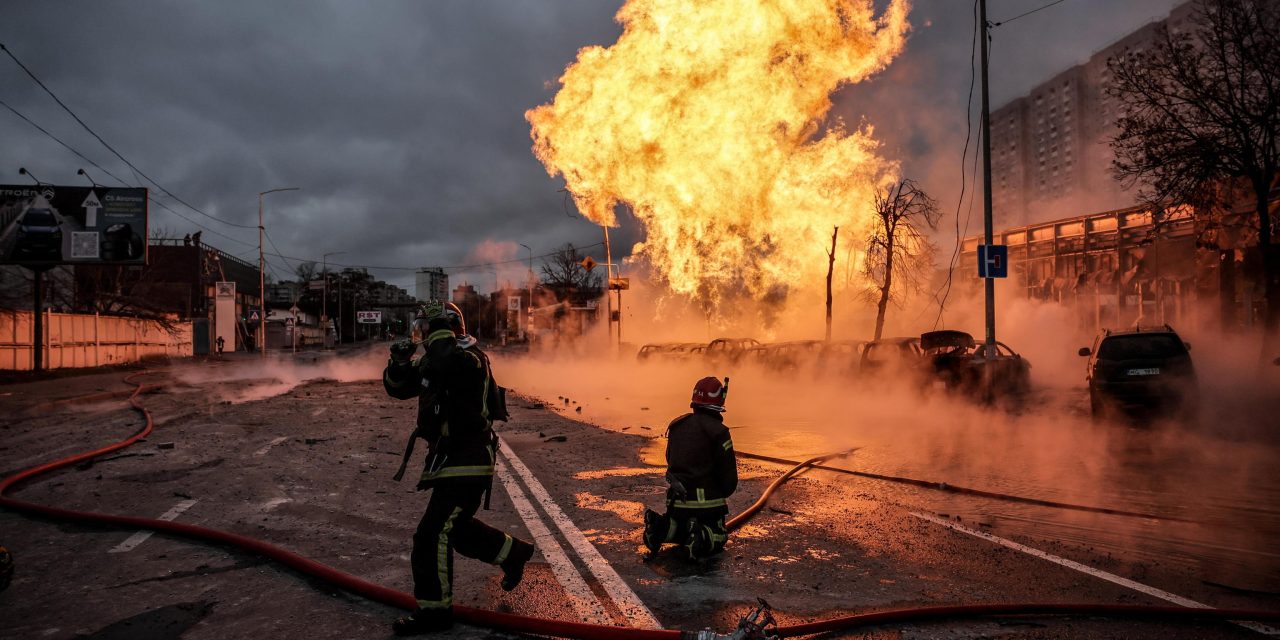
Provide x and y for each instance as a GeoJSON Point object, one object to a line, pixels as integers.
{"type": "Point", "coordinates": [1141, 372]}
{"type": "Point", "coordinates": [954, 361]}
{"type": "Point", "coordinates": [729, 350]}
{"type": "Point", "coordinates": [671, 351]}
{"type": "Point", "coordinates": [890, 355]}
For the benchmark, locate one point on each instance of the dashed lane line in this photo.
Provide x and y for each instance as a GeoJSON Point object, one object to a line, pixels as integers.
{"type": "Point", "coordinates": [267, 447]}
{"type": "Point", "coordinates": [1083, 568]}
{"type": "Point", "coordinates": [584, 601]}
{"type": "Point", "coordinates": [141, 536]}
{"type": "Point", "coordinates": [626, 600]}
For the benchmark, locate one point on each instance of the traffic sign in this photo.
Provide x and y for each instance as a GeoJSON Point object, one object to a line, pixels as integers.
{"type": "Point", "coordinates": [255, 315]}
{"type": "Point", "coordinates": [588, 263]}
{"type": "Point", "coordinates": [993, 261]}
{"type": "Point", "coordinates": [619, 284]}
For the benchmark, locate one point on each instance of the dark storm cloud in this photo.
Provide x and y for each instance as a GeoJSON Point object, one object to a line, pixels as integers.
{"type": "Point", "coordinates": [403, 123]}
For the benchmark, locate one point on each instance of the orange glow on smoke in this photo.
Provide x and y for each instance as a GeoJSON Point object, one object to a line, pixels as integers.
{"type": "Point", "coordinates": [706, 118]}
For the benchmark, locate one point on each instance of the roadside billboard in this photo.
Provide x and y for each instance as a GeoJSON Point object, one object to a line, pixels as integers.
{"type": "Point", "coordinates": [369, 317]}
{"type": "Point", "coordinates": [49, 225]}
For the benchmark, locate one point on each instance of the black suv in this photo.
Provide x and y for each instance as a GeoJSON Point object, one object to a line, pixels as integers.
{"type": "Point", "coordinates": [1141, 372]}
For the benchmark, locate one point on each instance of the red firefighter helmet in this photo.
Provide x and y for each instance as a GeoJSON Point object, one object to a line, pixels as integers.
{"type": "Point", "coordinates": [710, 393]}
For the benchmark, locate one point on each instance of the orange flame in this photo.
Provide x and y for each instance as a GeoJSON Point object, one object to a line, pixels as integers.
{"type": "Point", "coordinates": [705, 118]}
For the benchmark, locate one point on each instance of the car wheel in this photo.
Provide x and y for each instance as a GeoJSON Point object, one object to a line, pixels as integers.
{"type": "Point", "coordinates": [1097, 408]}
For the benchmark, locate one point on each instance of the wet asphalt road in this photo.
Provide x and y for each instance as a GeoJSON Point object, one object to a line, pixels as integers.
{"type": "Point", "coordinates": [308, 467]}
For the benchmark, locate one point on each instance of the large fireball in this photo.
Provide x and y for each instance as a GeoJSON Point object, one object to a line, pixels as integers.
{"type": "Point", "coordinates": [707, 119]}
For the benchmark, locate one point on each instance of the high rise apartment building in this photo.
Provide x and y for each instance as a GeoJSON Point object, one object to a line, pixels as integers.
{"type": "Point", "coordinates": [1050, 156]}
{"type": "Point", "coordinates": [432, 284]}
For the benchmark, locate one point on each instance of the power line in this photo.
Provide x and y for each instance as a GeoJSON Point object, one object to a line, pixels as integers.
{"type": "Point", "coordinates": [112, 149]}
{"type": "Point", "coordinates": [1023, 15]}
{"type": "Point", "coordinates": [278, 253]}
{"type": "Point", "coordinates": [968, 134]}
{"type": "Point", "coordinates": [59, 141]}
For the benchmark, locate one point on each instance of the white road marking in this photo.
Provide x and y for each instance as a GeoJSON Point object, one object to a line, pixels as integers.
{"type": "Point", "coordinates": [1083, 568]}
{"type": "Point", "coordinates": [141, 536]}
{"type": "Point", "coordinates": [626, 600]}
{"type": "Point", "coordinates": [263, 451]}
{"type": "Point", "coordinates": [584, 601]}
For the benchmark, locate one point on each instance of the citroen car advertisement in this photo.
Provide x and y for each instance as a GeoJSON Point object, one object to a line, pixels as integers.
{"type": "Point", "coordinates": [49, 225]}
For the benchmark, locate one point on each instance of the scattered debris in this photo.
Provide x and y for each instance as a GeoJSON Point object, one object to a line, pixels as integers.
{"type": "Point", "coordinates": [644, 408]}
{"type": "Point", "coordinates": [579, 409]}
{"type": "Point", "coordinates": [782, 511]}
{"type": "Point", "coordinates": [165, 445]}
{"type": "Point", "coordinates": [179, 494]}
{"type": "Point", "coordinates": [556, 439]}
{"type": "Point", "coordinates": [536, 405]}
{"type": "Point", "coordinates": [645, 428]}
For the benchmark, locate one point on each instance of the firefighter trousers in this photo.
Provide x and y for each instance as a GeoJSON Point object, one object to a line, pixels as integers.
{"type": "Point", "coordinates": [448, 524]}
{"type": "Point", "coordinates": [701, 532]}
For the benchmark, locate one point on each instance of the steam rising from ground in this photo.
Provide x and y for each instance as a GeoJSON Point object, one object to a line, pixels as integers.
{"type": "Point", "coordinates": [706, 119]}
{"type": "Point", "coordinates": [1216, 469]}
{"type": "Point", "coordinates": [249, 380]}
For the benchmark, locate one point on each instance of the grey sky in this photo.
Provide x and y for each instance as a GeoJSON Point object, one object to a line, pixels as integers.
{"type": "Point", "coordinates": [402, 122]}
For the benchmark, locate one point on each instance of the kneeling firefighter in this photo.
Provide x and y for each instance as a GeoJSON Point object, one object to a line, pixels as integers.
{"type": "Point", "coordinates": [457, 403]}
{"type": "Point", "coordinates": [702, 472]}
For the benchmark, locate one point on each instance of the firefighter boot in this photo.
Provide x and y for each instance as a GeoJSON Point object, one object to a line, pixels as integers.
{"type": "Point", "coordinates": [513, 565]}
{"type": "Point", "coordinates": [655, 530]}
{"type": "Point", "coordinates": [424, 621]}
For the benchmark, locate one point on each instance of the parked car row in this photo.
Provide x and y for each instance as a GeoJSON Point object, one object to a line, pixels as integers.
{"type": "Point", "coordinates": [945, 359]}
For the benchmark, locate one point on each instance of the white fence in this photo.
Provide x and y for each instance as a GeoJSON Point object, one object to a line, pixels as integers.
{"type": "Point", "coordinates": [76, 340]}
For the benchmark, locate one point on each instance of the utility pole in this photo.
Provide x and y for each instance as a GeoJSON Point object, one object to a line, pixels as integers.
{"type": "Point", "coordinates": [529, 286]}
{"type": "Point", "coordinates": [986, 205]}
{"type": "Point", "coordinates": [324, 304]}
{"type": "Point", "coordinates": [262, 276]}
{"type": "Point", "coordinates": [608, 267]}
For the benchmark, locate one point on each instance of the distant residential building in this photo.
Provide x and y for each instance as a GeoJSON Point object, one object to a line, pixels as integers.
{"type": "Point", "coordinates": [432, 284]}
{"type": "Point", "coordinates": [1050, 153]}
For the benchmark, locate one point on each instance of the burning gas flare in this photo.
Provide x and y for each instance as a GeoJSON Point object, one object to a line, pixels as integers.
{"type": "Point", "coordinates": [708, 120]}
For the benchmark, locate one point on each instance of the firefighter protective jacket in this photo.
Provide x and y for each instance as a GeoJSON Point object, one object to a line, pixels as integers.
{"type": "Point", "coordinates": [451, 384]}
{"type": "Point", "coordinates": [700, 455]}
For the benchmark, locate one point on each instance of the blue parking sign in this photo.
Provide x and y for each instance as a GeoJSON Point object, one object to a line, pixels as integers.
{"type": "Point", "coordinates": [993, 261]}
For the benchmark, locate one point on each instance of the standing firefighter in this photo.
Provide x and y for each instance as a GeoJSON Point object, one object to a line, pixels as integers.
{"type": "Point", "coordinates": [457, 402]}
{"type": "Point", "coordinates": [702, 472]}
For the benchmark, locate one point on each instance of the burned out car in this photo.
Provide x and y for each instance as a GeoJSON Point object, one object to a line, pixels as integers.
{"type": "Point", "coordinates": [954, 361]}
{"type": "Point", "coordinates": [1141, 372]}
{"type": "Point", "coordinates": [890, 355]}
{"type": "Point", "coordinates": [670, 351]}
{"type": "Point", "coordinates": [729, 350]}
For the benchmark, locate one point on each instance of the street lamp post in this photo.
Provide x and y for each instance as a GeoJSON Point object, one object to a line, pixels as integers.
{"type": "Point", "coordinates": [324, 305]}
{"type": "Point", "coordinates": [262, 276]}
{"type": "Point", "coordinates": [529, 286]}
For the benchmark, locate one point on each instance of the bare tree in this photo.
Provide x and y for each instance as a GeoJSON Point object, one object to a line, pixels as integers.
{"type": "Point", "coordinates": [898, 253]}
{"type": "Point", "coordinates": [1201, 118]}
{"type": "Point", "coordinates": [305, 271]}
{"type": "Point", "coordinates": [564, 273]}
{"type": "Point", "coordinates": [831, 265]}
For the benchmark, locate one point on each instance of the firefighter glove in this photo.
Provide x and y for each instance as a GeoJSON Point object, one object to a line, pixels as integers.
{"type": "Point", "coordinates": [402, 351]}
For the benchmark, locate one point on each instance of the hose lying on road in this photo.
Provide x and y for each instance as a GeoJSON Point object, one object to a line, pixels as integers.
{"type": "Point", "coordinates": [545, 627]}
{"type": "Point", "coordinates": [951, 488]}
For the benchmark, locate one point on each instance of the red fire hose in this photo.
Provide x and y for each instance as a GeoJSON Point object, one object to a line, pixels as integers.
{"type": "Point", "coordinates": [545, 627]}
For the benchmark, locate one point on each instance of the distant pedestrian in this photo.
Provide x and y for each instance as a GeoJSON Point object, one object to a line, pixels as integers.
{"type": "Point", "coordinates": [702, 471]}
{"type": "Point", "coordinates": [221, 343]}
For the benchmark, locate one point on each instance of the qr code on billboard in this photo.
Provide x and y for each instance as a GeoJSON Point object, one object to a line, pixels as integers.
{"type": "Point", "coordinates": [84, 245]}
